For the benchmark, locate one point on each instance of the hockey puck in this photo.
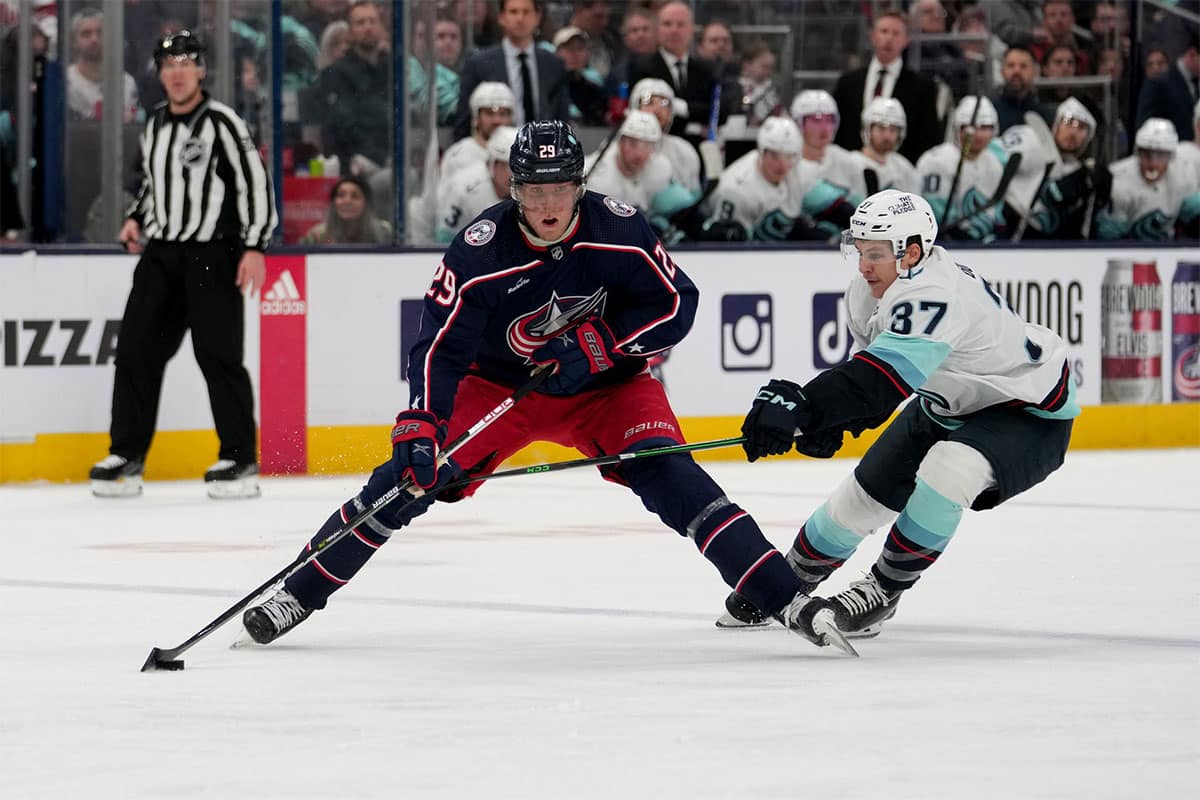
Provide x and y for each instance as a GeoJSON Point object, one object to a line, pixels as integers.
{"type": "Point", "coordinates": [171, 666]}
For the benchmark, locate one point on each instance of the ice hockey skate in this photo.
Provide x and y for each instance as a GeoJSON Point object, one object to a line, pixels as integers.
{"type": "Point", "coordinates": [116, 476]}
{"type": "Point", "coordinates": [813, 618]}
{"type": "Point", "coordinates": [861, 609]}
{"type": "Point", "coordinates": [227, 479]}
{"type": "Point", "coordinates": [279, 614]}
{"type": "Point", "coordinates": [740, 614]}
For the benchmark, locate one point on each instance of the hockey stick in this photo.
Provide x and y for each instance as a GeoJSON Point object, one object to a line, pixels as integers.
{"type": "Point", "coordinates": [161, 659]}
{"type": "Point", "coordinates": [1006, 178]}
{"type": "Point", "coordinates": [965, 136]}
{"type": "Point", "coordinates": [871, 180]}
{"type": "Point", "coordinates": [607, 143]}
{"type": "Point", "coordinates": [1091, 203]}
{"type": "Point", "coordinates": [595, 461]}
{"type": "Point", "coordinates": [1045, 140]}
{"type": "Point", "coordinates": [1024, 223]}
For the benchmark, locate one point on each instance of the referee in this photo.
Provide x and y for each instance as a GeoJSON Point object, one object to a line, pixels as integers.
{"type": "Point", "coordinates": [207, 208]}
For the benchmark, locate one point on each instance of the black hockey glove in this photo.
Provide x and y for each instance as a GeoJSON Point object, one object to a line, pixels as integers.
{"type": "Point", "coordinates": [823, 444]}
{"type": "Point", "coordinates": [416, 440]}
{"type": "Point", "coordinates": [779, 409]}
{"type": "Point", "coordinates": [578, 355]}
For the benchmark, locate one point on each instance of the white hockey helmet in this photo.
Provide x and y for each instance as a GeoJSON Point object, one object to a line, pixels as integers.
{"type": "Point", "coordinates": [499, 144]}
{"type": "Point", "coordinates": [986, 117]}
{"type": "Point", "coordinates": [814, 101]}
{"type": "Point", "coordinates": [780, 135]}
{"type": "Point", "coordinates": [650, 87]}
{"type": "Point", "coordinates": [641, 125]}
{"type": "Point", "coordinates": [1073, 109]}
{"type": "Point", "coordinates": [1157, 133]}
{"type": "Point", "coordinates": [892, 216]}
{"type": "Point", "coordinates": [492, 94]}
{"type": "Point", "coordinates": [883, 111]}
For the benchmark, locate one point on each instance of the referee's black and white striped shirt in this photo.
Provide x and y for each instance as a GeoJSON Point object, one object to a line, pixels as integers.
{"type": "Point", "coordinates": [203, 179]}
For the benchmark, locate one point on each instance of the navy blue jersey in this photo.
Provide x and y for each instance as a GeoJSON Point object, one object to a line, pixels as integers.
{"type": "Point", "coordinates": [496, 297]}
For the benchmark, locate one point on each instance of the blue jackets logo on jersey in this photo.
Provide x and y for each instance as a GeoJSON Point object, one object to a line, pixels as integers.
{"type": "Point", "coordinates": [619, 208]}
{"type": "Point", "coordinates": [530, 331]}
{"type": "Point", "coordinates": [480, 233]}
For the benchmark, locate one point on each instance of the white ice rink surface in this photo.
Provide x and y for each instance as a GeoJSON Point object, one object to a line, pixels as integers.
{"type": "Point", "coordinates": [550, 639]}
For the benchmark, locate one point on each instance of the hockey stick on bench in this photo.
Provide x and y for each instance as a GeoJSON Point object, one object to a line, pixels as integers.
{"type": "Point", "coordinates": [161, 659]}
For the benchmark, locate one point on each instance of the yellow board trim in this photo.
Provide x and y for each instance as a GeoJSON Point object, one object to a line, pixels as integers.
{"type": "Point", "coordinates": [351, 449]}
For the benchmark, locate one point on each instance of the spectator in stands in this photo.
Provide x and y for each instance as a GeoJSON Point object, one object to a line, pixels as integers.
{"type": "Point", "coordinates": [639, 35]}
{"type": "Point", "coordinates": [418, 81]}
{"type": "Point", "coordinates": [448, 43]}
{"type": "Point", "coordinates": [591, 17]}
{"type": "Point", "coordinates": [11, 221]}
{"type": "Point", "coordinates": [349, 219]}
{"type": "Point", "coordinates": [1110, 26]}
{"type": "Point", "coordinates": [85, 98]}
{"type": "Point", "coordinates": [1172, 94]}
{"type": "Point", "coordinates": [356, 95]}
{"type": "Point", "coordinates": [335, 41]}
{"type": "Point", "coordinates": [716, 44]}
{"type": "Point", "coordinates": [692, 77]}
{"type": "Point", "coordinates": [481, 17]}
{"type": "Point", "coordinates": [537, 77]}
{"type": "Point", "coordinates": [589, 100]}
{"type": "Point", "coordinates": [941, 59]}
{"type": "Point", "coordinates": [492, 105]}
{"type": "Point", "coordinates": [984, 58]}
{"type": "Point", "coordinates": [886, 76]}
{"type": "Point", "coordinates": [1017, 95]}
{"type": "Point", "coordinates": [760, 97]}
{"type": "Point", "coordinates": [1016, 21]}
{"type": "Point", "coordinates": [658, 98]}
{"type": "Point", "coordinates": [1058, 20]}
{"type": "Point", "coordinates": [1156, 62]}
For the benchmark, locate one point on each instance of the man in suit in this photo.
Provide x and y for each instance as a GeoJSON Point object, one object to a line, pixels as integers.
{"type": "Point", "coordinates": [1173, 94]}
{"type": "Point", "coordinates": [886, 76]}
{"type": "Point", "coordinates": [691, 77]}
{"type": "Point", "coordinates": [537, 77]}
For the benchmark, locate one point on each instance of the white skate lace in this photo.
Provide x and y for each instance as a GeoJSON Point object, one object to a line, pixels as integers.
{"type": "Point", "coordinates": [224, 463]}
{"type": "Point", "coordinates": [284, 610]}
{"type": "Point", "coordinates": [863, 596]}
{"type": "Point", "coordinates": [112, 462]}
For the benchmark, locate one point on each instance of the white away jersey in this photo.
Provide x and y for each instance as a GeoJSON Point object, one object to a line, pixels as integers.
{"type": "Point", "coordinates": [978, 182]}
{"type": "Point", "coordinates": [743, 195]}
{"type": "Point", "coordinates": [462, 153]}
{"type": "Point", "coordinates": [685, 162]}
{"type": "Point", "coordinates": [958, 344]}
{"type": "Point", "coordinates": [462, 198]}
{"type": "Point", "coordinates": [638, 191]}
{"type": "Point", "coordinates": [838, 168]}
{"type": "Point", "coordinates": [1147, 211]}
{"type": "Point", "coordinates": [896, 172]}
{"type": "Point", "coordinates": [1187, 155]}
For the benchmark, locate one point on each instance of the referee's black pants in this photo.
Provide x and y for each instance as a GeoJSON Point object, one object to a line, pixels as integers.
{"type": "Point", "coordinates": [176, 287]}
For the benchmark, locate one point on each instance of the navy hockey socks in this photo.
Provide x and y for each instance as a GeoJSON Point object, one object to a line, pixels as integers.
{"type": "Point", "coordinates": [730, 538]}
{"type": "Point", "coordinates": [315, 581]}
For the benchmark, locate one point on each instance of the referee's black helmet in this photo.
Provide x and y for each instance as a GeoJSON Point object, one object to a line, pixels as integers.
{"type": "Point", "coordinates": [180, 43]}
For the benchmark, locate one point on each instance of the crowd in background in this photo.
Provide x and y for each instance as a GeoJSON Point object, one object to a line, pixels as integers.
{"type": "Point", "coordinates": [876, 92]}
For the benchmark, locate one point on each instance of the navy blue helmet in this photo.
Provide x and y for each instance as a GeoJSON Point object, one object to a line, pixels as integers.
{"type": "Point", "coordinates": [546, 151]}
{"type": "Point", "coordinates": [180, 43]}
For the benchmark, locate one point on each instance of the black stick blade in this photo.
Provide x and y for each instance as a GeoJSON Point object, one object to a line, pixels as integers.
{"type": "Point", "coordinates": [156, 662]}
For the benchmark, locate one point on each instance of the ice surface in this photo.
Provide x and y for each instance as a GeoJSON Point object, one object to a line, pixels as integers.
{"type": "Point", "coordinates": [550, 639]}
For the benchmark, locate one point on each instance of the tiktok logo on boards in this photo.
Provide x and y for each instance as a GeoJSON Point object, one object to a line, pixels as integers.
{"type": "Point", "coordinates": [831, 334]}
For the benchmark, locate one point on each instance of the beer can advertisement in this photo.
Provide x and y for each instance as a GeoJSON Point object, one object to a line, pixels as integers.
{"type": "Point", "coordinates": [1185, 332]}
{"type": "Point", "coordinates": [1131, 338]}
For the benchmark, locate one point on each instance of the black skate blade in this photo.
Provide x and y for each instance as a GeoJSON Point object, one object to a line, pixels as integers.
{"type": "Point", "coordinates": [825, 627]}
{"type": "Point", "coordinates": [156, 662]}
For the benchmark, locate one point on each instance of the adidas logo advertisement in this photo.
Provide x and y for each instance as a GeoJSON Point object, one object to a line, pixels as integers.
{"type": "Point", "coordinates": [283, 298]}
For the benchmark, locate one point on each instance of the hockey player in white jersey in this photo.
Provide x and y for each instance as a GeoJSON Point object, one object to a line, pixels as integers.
{"type": "Point", "coordinates": [879, 165]}
{"type": "Point", "coordinates": [757, 196]}
{"type": "Point", "coordinates": [992, 415]}
{"type": "Point", "coordinates": [982, 168]}
{"type": "Point", "coordinates": [492, 105]}
{"type": "Point", "coordinates": [475, 187]}
{"type": "Point", "coordinates": [656, 97]}
{"type": "Point", "coordinates": [1150, 196]}
{"type": "Point", "coordinates": [1054, 175]}
{"type": "Point", "coordinates": [634, 172]}
{"type": "Point", "coordinates": [824, 172]}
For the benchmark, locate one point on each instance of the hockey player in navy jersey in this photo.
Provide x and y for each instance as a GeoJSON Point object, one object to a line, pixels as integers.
{"type": "Point", "coordinates": [563, 277]}
{"type": "Point", "coordinates": [992, 415]}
